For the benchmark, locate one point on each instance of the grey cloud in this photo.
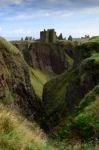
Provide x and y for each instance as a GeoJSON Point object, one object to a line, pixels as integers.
{"type": "Point", "coordinates": [7, 2]}
{"type": "Point", "coordinates": [65, 3]}
{"type": "Point", "coordinates": [52, 3]}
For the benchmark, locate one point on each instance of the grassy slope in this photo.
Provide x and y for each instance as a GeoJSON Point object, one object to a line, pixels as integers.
{"type": "Point", "coordinates": [87, 118]}
{"type": "Point", "coordinates": [16, 133]}
{"type": "Point", "coordinates": [84, 124]}
{"type": "Point", "coordinates": [94, 39]}
{"type": "Point", "coordinates": [38, 80]}
{"type": "Point", "coordinates": [95, 57]}
{"type": "Point", "coordinates": [55, 90]}
{"type": "Point", "coordinates": [8, 46]}
{"type": "Point", "coordinates": [81, 131]}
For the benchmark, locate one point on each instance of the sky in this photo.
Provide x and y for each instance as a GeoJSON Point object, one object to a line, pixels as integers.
{"type": "Point", "coordinates": [20, 18]}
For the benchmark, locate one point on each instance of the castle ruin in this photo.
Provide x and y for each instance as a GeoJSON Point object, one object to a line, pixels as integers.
{"type": "Point", "coordinates": [48, 36]}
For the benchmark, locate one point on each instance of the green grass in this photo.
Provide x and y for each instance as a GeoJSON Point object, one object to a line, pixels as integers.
{"type": "Point", "coordinates": [55, 90]}
{"type": "Point", "coordinates": [83, 125]}
{"type": "Point", "coordinates": [16, 133]}
{"type": "Point", "coordinates": [90, 100]}
{"type": "Point", "coordinates": [38, 80]}
{"type": "Point", "coordinates": [69, 60]}
{"type": "Point", "coordinates": [95, 57]}
{"type": "Point", "coordinates": [87, 120]}
{"type": "Point", "coordinates": [8, 46]}
{"type": "Point", "coordinates": [90, 65]}
{"type": "Point", "coordinates": [54, 98]}
{"type": "Point", "coordinates": [9, 98]}
{"type": "Point", "coordinates": [94, 39]}
{"type": "Point", "coordinates": [77, 146]}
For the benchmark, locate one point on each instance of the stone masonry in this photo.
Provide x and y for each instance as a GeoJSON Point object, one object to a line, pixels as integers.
{"type": "Point", "coordinates": [48, 36]}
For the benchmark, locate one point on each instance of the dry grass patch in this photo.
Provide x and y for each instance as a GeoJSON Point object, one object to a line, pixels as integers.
{"type": "Point", "coordinates": [16, 133]}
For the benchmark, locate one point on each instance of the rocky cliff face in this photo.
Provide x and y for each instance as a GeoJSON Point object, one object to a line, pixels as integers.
{"type": "Point", "coordinates": [15, 86]}
{"type": "Point", "coordinates": [48, 58]}
{"type": "Point", "coordinates": [54, 58]}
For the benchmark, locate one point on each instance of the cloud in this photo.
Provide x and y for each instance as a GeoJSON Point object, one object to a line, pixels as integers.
{"type": "Point", "coordinates": [26, 16]}
{"type": "Point", "coordinates": [52, 4]}
{"type": "Point", "coordinates": [21, 17]}
{"type": "Point", "coordinates": [67, 4]}
{"type": "Point", "coordinates": [20, 31]}
{"type": "Point", "coordinates": [0, 29]}
{"type": "Point", "coordinates": [49, 14]}
{"type": "Point", "coordinates": [49, 5]}
{"type": "Point", "coordinates": [7, 2]}
{"type": "Point", "coordinates": [17, 2]}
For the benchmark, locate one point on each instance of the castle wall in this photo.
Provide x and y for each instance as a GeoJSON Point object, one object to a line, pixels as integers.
{"type": "Point", "coordinates": [52, 36]}
{"type": "Point", "coordinates": [48, 36]}
{"type": "Point", "coordinates": [44, 37]}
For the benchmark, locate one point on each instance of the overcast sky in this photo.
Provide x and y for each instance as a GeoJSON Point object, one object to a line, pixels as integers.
{"type": "Point", "coordinates": [28, 17]}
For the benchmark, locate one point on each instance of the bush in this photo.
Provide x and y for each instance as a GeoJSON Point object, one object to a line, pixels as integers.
{"type": "Point", "coordinates": [87, 126]}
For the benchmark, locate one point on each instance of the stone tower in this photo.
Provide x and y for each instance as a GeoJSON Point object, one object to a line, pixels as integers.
{"type": "Point", "coordinates": [48, 36]}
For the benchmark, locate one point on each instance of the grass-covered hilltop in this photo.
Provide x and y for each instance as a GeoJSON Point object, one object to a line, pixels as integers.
{"type": "Point", "coordinates": [49, 95]}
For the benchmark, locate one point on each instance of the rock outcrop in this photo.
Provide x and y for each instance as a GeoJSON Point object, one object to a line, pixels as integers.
{"type": "Point", "coordinates": [15, 85]}
{"type": "Point", "coordinates": [54, 58]}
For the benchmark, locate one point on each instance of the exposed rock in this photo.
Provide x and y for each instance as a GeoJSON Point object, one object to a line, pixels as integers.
{"type": "Point", "coordinates": [15, 85]}
{"type": "Point", "coordinates": [48, 57]}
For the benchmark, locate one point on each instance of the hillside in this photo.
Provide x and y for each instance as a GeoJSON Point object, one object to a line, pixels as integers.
{"type": "Point", "coordinates": [15, 85]}
{"type": "Point", "coordinates": [46, 60]}
{"type": "Point", "coordinates": [39, 79]}
{"type": "Point", "coordinates": [53, 58]}
{"type": "Point", "coordinates": [83, 124]}
{"type": "Point", "coordinates": [57, 98]}
{"type": "Point", "coordinates": [16, 92]}
{"type": "Point", "coordinates": [78, 79]}
{"type": "Point", "coordinates": [94, 39]}
{"type": "Point", "coordinates": [17, 133]}
{"type": "Point", "coordinates": [71, 100]}
{"type": "Point", "coordinates": [56, 86]}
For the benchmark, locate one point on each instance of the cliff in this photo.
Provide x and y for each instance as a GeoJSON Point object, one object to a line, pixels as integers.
{"type": "Point", "coordinates": [62, 94]}
{"type": "Point", "coordinates": [53, 58]}
{"type": "Point", "coordinates": [46, 60]}
{"type": "Point", "coordinates": [15, 85]}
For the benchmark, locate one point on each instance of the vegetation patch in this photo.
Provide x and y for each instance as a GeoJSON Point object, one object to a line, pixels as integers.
{"type": "Point", "coordinates": [16, 133]}
{"type": "Point", "coordinates": [84, 123]}
{"type": "Point", "coordinates": [38, 80]}
{"type": "Point", "coordinates": [8, 46]}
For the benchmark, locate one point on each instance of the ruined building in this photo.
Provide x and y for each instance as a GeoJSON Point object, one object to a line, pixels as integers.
{"type": "Point", "coordinates": [48, 36]}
